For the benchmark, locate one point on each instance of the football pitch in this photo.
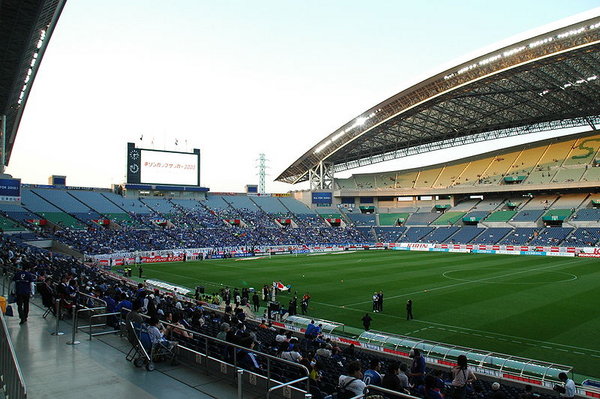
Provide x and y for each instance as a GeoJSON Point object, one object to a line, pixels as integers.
{"type": "Point", "coordinates": [544, 308]}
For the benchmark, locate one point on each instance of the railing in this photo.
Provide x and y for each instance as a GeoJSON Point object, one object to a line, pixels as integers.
{"type": "Point", "coordinates": [11, 382]}
{"type": "Point", "coordinates": [374, 389]}
{"type": "Point", "coordinates": [193, 356]}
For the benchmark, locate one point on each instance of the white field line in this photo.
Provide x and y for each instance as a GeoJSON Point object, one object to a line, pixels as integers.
{"type": "Point", "coordinates": [479, 333]}
{"type": "Point", "coordinates": [468, 282]}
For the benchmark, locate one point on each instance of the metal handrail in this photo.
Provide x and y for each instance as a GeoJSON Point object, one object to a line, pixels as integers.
{"type": "Point", "coordinates": [262, 354]}
{"type": "Point", "coordinates": [282, 385]}
{"type": "Point", "coordinates": [390, 392]}
{"type": "Point", "coordinates": [12, 376]}
{"type": "Point", "coordinates": [234, 364]}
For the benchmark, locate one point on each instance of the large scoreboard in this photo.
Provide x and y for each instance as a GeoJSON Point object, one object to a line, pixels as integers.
{"type": "Point", "coordinates": [146, 166]}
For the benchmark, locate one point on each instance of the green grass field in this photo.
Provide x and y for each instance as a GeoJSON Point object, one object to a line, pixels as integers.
{"type": "Point", "coordinates": [545, 308]}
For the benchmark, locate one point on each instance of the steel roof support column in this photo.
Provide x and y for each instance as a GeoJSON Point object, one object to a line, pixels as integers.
{"type": "Point", "coordinates": [2, 142]}
{"type": "Point", "coordinates": [321, 176]}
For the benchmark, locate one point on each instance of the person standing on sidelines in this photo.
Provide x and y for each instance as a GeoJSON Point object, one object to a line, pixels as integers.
{"type": "Point", "coordinates": [409, 306]}
{"type": "Point", "coordinates": [375, 302]}
{"type": "Point", "coordinates": [255, 301]}
{"type": "Point", "coordinates": [367, 321]}
{"type": "Point", "coordinates": [23, 280]}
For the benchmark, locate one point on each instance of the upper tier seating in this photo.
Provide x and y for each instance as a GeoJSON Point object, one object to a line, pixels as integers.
{"type": "Point", "coordinates": [568, 175]}
{"type": "Point", "coordinates": [295, 206]}
{"type": "Point", "coordinates": [448, 175]}
{"type": "Point", "coordinates": [488, 205]}
{"type": "Point", "coordinates": [346, 184]}
{"type": "Point", "coordinates": [329, 213]}
{"type": "Point", "coordinates": [528, 216]}
{"type": "Point", "coordinates": [216, 202]}
{"type": "Point", "coordinates": [540, 176]}
{"type": "Point", "coordinates": [449, 218]}
{"type": "Point", "coordinates": [591, 174]}
{"type": "Point", "coordinates": [240, 202]}
{"type": "Point", "coordinates": [362, 219]}
{"type": "Point", "coordinates": [406, 180]}
{"type": "Point", "coordinates": [465, 206]}
{"type": "Point", "coordinates": [421, 218]}
{"type": "Point", "coordinates": [584, 151]}
{"type": "Point", "coordinates": [540, 202]}
{"type": "Point", "coordinates": [391, 219]}
{"type": "Point", "coordinates": [473, 172]}
{"type": "Point", "coordinates": [492, 235]}
{"type": "Point", "coordinates": [17, 212]}
{"type": "Point", "coordinates": [130, 205]}
{"type": "Point", "coordinates": [385, 181]}
{"type": "Point", "coordinates": [364, 181]}
{"type": "Point", "coordinates": [159, 205]}
{"type": "Point", "coordinates": [501, 216]}
{"type": "Point", "coordinates": [96, 201]}
{"type": "Point", "coordinates": [35, 203]}
{"type": "Point", "coordinates": [427, 177]}
{"type": "Point", "coordinates": [270, 205]}
{"type": "Point", "coordinates": [187, 203]}
{"type": "Point", "coordinates": [63, 200]}
{"type": "Point", "coordinates": [498, 168]}
{"type": "Point", "coordinates": [9, 225]}
{"type": "Point", "coordinates": [465, 235]}
{"type": "Point", "coordinates": [555, 155]}
{"type": "Point", "coordinates": [587, 214]}
{"type": "Point", "coordinates": [557, 214]}
{"type": "Point", "coordinates": [475, 216]}
{"type": "Point", "coordinates": [569, 201]}
{"type": "Point", "coordinates": [526, 161]}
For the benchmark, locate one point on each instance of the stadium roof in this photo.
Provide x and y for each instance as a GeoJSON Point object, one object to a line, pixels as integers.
{"type": "Point", "coordinates": [546, 80]}
{"type": "Point", "coordinates": [25, 29]}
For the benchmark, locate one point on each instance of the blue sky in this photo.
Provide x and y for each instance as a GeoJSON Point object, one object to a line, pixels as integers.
{"type": "Point", "coordinates": [237, 78]}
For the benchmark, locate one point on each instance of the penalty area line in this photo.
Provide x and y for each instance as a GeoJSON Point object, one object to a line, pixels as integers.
{"type": "Point", "coordinates": [479, 333]}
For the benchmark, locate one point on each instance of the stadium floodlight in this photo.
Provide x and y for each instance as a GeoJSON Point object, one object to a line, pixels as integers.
{"type": "Point", "coordinates": [594, 77]}
{"type": "Point", "coordinates": [360, 120]}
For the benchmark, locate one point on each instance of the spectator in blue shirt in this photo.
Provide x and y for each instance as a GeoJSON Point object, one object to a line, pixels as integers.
{"type": "Point", "coordinates": [372, 375]}
{"type": "Point", "coordinates": [417, 368]}
{"type": "Point", "coordinates": [23, 281]}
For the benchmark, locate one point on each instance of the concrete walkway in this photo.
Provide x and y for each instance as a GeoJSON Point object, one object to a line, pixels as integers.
{"type": "Point", "coordinates": [98, 369]}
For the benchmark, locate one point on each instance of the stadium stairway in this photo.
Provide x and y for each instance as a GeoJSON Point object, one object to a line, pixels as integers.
{"type": "Point", "coordinates": [98, 369]}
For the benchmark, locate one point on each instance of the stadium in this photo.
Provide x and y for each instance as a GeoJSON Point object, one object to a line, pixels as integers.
{"type": "Point", "coordinates": [491, 255]}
